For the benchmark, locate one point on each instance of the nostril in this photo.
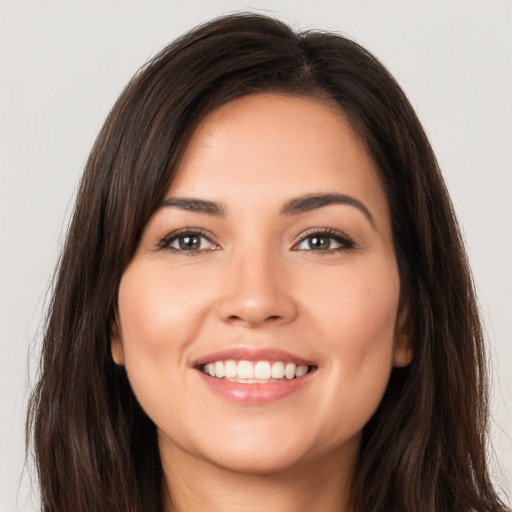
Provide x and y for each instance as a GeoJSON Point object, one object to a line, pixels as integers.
{"type": "Point", "coordinates": [253, 311]}
{"type": "Point", "coordinates": [235, 319]}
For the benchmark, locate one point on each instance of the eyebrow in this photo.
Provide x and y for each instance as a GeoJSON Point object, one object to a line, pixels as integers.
{"type": "Point", "coordinates": [294, 206]}
{"type": "Point", "coordinates": [195, 205]}
{"type": "Point", "coordinates": [313, 201]}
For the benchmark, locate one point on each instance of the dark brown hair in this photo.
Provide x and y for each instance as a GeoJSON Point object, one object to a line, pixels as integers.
{"type": "Point", "coordinates": [424, 449]}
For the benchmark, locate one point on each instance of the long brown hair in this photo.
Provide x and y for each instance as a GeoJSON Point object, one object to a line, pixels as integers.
{"type": "Point", "coordinates": [95, 448]}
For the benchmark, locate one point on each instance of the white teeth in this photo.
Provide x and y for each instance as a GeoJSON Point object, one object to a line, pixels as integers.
{"type": "Point", "coordinates": [289, 371]}
{"type": "Point", "coordinates": [210, 369]}
{"type": "Point", "coordinates": [219, 369]}
{"type": "Point", "coordinates": [301, 370]}
{"type": "Point", "coordinates": [230, 369]}
{"type": "Point", "coordinates": [245, 370]}
{"type": "Point", "coordinates": [254, 372]}
{"type": "Point", "coordinates": [278, 370]}
{"type": "Point", "coordinates": [262, 370]}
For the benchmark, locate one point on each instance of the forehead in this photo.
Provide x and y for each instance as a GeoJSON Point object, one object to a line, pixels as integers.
{"type": "Point", "coordinates": [266, 148]}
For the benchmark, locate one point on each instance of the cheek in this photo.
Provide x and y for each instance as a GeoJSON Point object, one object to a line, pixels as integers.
{"type": "Point", "coordinates": [356, 320]}
{"type": "Point", "coordinates": [362, 337]}
{"type": "Point", "coordinates": [159, 315]}
{"type": "Point", "coordinates": [158, 308]}
{"type": "Point", "coordinates": [359, 301]}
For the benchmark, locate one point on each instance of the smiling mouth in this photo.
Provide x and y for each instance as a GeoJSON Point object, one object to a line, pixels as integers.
{"type": "Point", "coordinates": [255, 372]}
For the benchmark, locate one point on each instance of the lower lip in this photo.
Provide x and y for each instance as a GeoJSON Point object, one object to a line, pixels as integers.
{"type": "Point", "coordinates": [254, 393]}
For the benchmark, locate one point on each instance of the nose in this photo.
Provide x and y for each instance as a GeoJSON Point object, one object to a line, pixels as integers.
{"type": "Point", "coordinates": [256, 291]}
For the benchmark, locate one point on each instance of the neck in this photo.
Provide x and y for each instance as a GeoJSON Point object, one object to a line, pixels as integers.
{"type": "Point", "coordinates": [202, 487]}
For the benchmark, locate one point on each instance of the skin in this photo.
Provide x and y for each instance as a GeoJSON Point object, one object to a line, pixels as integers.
{"type": "Point", "coordinates": [256, 282]}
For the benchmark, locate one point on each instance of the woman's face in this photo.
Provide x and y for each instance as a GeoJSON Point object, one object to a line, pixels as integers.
{"type": "Point", "coordinates": [271, 256]}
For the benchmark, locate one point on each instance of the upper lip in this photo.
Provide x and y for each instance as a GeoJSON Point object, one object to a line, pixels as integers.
{"type": "Point", "coordinates": [252, 354]}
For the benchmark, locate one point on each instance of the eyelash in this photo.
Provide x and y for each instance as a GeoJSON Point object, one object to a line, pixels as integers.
{"type": "Point", "coordinates": [166, 242]}
{"type": "Point", "coordinates": [346, 243]}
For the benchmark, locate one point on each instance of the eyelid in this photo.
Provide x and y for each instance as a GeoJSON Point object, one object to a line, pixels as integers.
{"type": "Point", "coordinates": [165, 242]}
{"type": "Point", "coordinates": [341, 237]}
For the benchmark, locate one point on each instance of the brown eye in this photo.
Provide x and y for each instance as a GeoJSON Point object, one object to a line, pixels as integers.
{"type": "Point", "coordinates": [319, 243]}
{"type": "Point", "coordinates": [187, 241]}
{"type": "Point", "coordinates": [325, 241]}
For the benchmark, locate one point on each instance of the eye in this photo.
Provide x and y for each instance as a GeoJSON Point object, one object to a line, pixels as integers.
{"type": "Point", "coordinates": [324, 241]}
{"type": "Point", "coordinates": [191, 241]}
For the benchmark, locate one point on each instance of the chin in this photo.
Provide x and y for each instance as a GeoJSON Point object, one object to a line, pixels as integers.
{"type": "Point", "coordinates": [258, 451]}
{"type": "Point", "coordinates": [258, 462]}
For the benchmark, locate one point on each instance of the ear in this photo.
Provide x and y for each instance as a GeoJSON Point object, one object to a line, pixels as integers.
{"type": "Point", "coordinates": [403, 350]}
{"type": "Point", "coordinates": [116, 345]}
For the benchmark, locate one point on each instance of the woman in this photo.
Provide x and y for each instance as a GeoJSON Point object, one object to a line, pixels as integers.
{"type": "Point", "coordinates": [263, 302]}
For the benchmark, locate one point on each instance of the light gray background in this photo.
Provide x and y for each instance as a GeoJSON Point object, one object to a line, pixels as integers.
{"type": "Point", "coordinates": [62, 64]}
